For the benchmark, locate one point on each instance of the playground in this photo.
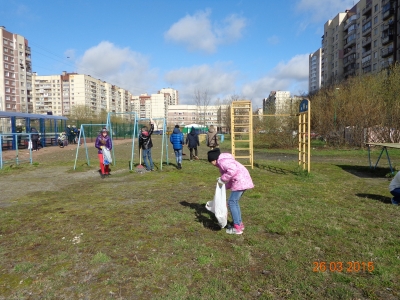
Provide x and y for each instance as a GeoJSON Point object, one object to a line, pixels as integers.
{"type": "Point", "coordinates": [68, 234]}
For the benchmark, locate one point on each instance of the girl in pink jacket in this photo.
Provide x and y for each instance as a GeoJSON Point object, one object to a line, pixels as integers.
{"type": "Point", "coordinates": [237, 178]}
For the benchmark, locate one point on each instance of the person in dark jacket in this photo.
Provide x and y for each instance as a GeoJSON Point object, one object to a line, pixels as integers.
{"type": "Point", "coordinates": [177, 141]}
{"type": "Point", "coordinates": [103, 140]}
{"type": "Point", "coordinates": [192, 141]}
{"type": "Point", "coordinates": [145, 145]}
{"type": "Point", "coordinates": [35, 139]}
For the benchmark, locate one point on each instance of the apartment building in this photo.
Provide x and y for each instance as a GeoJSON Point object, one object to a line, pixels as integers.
{"type": "Point", "coordinates": [192, 114]}
{"type": "Point", "coordinates": [154, 105]}
{"type": "Point", "coordinates": [15, 72]}
{"type": "Point", "coordinates": [361, 40]}
{"type": "Point", "coordinates": [60, 93]}
{"type": "Point", "coordinates": [277, 102]}
{"type": "Point", "coordinates": [315, 68]}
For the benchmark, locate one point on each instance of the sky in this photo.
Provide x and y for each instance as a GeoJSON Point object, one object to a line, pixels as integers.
{"type": "Point", "coordinates": [225, 48]}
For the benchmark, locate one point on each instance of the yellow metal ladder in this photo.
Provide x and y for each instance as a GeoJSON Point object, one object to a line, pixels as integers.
{"type": "Point", "coordinates": [242, 131]}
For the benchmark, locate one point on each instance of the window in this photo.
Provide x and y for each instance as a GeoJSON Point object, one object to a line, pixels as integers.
{"type": "Point", "coordinates": [376, 20]}
{"type": "Point", "coordinates": [5, 42]}
{"type": "Point", "coordinates": [376, 8]}
{"type": "Point", "coordinates": [8, 105]}
{"type": "Point", "coordinates": [6, 50]}
{"type": "Point", "coordinates": [376, 31]}
{"type": "Point", "coordinates": [376, 54]}
{"type": "Point", "coordinates": [375, 43]}
{"type": "Point", "coordinates": [5, 57]}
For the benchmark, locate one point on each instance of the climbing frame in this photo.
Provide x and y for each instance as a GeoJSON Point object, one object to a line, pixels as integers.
{"type": "Point", "coordinates": [242, 131]}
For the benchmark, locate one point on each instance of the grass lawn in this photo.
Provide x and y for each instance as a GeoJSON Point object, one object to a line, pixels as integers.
{"type": "Point", "coordinates": [68, 234]}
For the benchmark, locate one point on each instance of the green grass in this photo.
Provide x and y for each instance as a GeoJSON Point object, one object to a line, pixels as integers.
{"type": "Point", "coordinates": [148, 236]}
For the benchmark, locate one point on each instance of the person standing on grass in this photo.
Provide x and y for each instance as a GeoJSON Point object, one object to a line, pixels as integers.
{"type": "Point", "coordinates": [192, 141]}
{"type": "Point", "coordinates": [394, 188]}
{"type": "Point", "coordinates": [212, 138]}
{"type": "Point", "coordinates": [177, 141]}
{"type": "Point", "coordinates": [35, 139]}
{"type": "Point", "coordinates": [236, 178]}
{"type": "Point", "coordinates": [145, 145]}
{"type": "Point", "coordinates": [103, 143]}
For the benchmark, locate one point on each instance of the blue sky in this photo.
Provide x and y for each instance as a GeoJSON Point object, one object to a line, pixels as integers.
{"type": "Point", "coordinates": [224, 47]}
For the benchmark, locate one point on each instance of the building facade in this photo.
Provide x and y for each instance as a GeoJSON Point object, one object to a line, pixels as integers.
{"type": "Point", "coordinates": [15, 72]}
{"type": "Point", "coordinates": [364, 39]}
{"type": "Point", "coordinates": [183, 115]}
{"type": "Point", "coordinates": [59, 94]}
{"type": "Point", "coordinates": [277, 102]}
{"type": "Point", "coordinates": [314, 80]}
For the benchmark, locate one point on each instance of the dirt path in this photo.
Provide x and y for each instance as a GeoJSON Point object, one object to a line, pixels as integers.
{"type": "Point", "coordinates": [20, 184]}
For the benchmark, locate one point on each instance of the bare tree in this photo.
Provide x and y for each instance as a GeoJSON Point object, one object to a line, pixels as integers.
{"type": "Point", "coordinates": [202, 100]}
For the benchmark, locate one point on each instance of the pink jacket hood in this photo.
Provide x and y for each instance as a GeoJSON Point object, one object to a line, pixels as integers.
{"type": "Point", "coordinates": [233, 173]}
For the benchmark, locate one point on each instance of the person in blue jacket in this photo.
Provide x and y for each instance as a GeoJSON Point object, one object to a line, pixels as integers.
{"type": "Point", "coordinates": [177, 141]}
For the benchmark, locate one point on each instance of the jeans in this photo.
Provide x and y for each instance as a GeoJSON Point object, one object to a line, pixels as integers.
{"type": "Point", "coordinates": [178, 156]}
{"type": "Point", "coordinates": [233, 203]}
{"type": "Point", "coordinates": [146, 153]}
{"type": "Point", "coordinates": [396, 194]}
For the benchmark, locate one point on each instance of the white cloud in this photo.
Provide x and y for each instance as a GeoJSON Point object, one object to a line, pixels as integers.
{"type": "Point", "coordinates": [120, 66]}
{"type": "Point", "coordinates": [318, 10]}
{"type": "Point", "coordinates": [273, 40]}
{"type": "Point", "coordinates": [197, 32]}
{"type": "Point", "coordinates": [217, 80]}
{"type": "Point", "coordinates": [290, 76]}
{"type": "Point", "coordinates": [222, 82]}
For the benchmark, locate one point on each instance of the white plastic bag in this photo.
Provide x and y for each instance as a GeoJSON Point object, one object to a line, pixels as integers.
{"type": "Point", "coordinates": [218, 205]}
{"type": "Point", "coordinates": [107, 159]}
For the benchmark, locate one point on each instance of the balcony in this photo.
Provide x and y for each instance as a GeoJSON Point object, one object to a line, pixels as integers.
{"type": "Point", "coordinates": [366, 53]}
{"type": "Point", "coordinates": [350, 21]}
{"type": "Point", "coordinates": [367, 9]}
{"type": "Point", "coordinates": [387, 39]}
{"type": "Point", "coordinates": [387, 11]}
{"type": "Point", "coordinates": [349, 51]}
{"type": "Point", "coordinates": [366, 41]}
{"type": "Point", "coordinates": [366, 20]}
{"type": "Point", "coordinates": [386, 64]}
{"type": "Point", "coordinates": [349, 60]}
{"type": "Point", "coordinates": [366, 63]}
{"type": "Point", "coordinates": [350, 43]}
{"type": "Point", "coordinates": [366, 31]}
{"type": "Point", "coordinates": [387, 52]}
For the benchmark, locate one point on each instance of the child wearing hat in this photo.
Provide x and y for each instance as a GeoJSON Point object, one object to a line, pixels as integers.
{"type": "Point", "coordinates": [236, 178]}
{"type": "Point", "coordinates": [103, 140]}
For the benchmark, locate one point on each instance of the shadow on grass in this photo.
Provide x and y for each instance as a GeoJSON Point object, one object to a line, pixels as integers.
{"type": "Point", "coordinates": [209, 221]}
{"type": "Point", "coordinates": [273, 169]}
{"type": "Point", "coordinates": [365, 171]}
{"type": "Point", "coordinates": [380, 198]}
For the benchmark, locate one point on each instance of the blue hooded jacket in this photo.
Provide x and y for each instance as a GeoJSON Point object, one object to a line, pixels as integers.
{"type": "Point", "coordinates": [176, 139]}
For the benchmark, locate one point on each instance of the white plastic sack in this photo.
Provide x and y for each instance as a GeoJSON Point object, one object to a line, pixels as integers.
{"type": "Point", "coordinates": [106, 156]}
{"type": "Point", "coordinates": [218, 205]}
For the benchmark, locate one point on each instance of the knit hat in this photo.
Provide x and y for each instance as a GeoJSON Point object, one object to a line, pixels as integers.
{"type": "Point", "coordinates": [104, 130]}
{"type": "Point", "coordinates": [177, 126]}
{"type": "Point", "coordinates": [213, 154]}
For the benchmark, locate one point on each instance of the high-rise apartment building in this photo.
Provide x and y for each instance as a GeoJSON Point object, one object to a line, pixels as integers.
{"type": "Point", "coordinates": [363, 39]}
{"type": "Point", "coordinates": [277, 102]}
{"type": "Point", "coordinates": [15, 72]}
{"type": "Point", "coordinates": [314, 80]}
{"type": "Point", "coordinates": [154, 105]}
{"type": "Point", "coordinates": [60, 93]}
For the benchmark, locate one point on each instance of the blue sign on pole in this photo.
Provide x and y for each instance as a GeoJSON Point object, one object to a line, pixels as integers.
{"type": "Point", "coordinates": [303, 106]}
